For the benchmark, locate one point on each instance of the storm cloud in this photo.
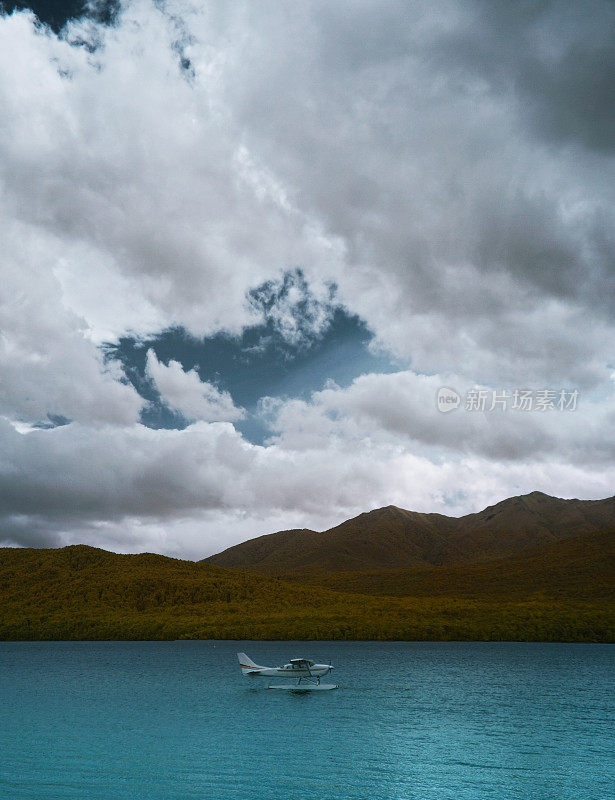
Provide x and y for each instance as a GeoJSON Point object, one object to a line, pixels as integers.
{"type": "Point", "coordinates": [442, 175]}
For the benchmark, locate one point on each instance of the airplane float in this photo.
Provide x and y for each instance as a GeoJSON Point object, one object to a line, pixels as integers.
{"type": "Point", "coordinates": [303, 669]}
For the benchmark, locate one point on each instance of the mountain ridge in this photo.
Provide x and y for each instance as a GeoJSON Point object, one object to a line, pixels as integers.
{"type": "Point", "coordinates": [530, 568]}
{"type": "Point", "coordinates": [392, 537]}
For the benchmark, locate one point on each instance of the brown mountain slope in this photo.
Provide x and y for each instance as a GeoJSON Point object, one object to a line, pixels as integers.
{"type": "Point", "coordinates": [521, 522]}
{"type": "Point", "coordinates": [379, 538]}
{"type": "Point", "coordinates": [575, 569]}
{"type": "Point", "coordinates": [391, 538]}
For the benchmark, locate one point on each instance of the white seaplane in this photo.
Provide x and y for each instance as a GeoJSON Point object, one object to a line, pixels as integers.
{"type": "Point", "coordinates": [303, 669]}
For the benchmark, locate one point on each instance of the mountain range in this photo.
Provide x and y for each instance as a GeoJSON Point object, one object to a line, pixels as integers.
{"type": "Point", "coordinates": [531, 568]}
{"type": "Point", "coordinates": [392, 538]}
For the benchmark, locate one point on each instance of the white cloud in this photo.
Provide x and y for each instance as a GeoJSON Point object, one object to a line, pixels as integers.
{"type": "Point", "coordinates": [426, 159]}
{"type": "Point", "coordinates": [198, 490]}
{"type": "Point", "coordinates": [357, 143]}
{"type": "Point", "coordinates": [48, 364]}
{"type": "Point", "coordinates": [185, 391]}
{"type": "Point", "coordinates": [140, 171]}
{"type": "Point", "coordinates": [400, 409]}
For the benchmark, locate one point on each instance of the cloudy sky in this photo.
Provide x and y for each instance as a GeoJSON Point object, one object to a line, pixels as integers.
{"type": "Point", "coordinates": [244, 245]}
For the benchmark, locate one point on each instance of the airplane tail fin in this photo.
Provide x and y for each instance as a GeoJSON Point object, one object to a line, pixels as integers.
{"type": "Point", "coordinates": [246, 664]}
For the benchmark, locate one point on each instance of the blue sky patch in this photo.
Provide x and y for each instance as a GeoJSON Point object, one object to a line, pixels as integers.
{"type": "Point", "coordinates": [56, 13]}
{"type": "Point", "coordinates": [259, 363]}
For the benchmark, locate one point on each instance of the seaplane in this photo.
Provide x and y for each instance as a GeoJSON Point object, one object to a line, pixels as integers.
{"type": "Point", "coordinates": [307, 673]}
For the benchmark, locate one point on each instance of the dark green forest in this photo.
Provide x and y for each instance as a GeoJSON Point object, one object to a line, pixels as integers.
{"type": "Point", "coordinates": [80, 592]}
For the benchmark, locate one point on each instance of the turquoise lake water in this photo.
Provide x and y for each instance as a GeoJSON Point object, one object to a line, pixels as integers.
{"type": "Point", "coordinates": [420, 721]}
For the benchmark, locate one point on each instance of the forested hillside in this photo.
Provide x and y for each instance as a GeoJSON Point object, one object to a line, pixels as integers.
{"type": "Point", "coordinates": [81, 592]}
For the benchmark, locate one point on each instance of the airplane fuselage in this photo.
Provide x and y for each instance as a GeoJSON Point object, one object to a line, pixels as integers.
{"type": "Point", "coordinates": [291, 671]}
{"type": "Point", "coordinates": [297, 668]}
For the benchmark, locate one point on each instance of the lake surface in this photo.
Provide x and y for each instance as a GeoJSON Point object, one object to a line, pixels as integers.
{"type": "Point", "coordinates": [420, 721]}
